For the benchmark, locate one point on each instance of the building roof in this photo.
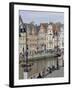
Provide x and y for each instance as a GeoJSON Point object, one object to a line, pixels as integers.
{"type": "Point", "coordinates": [22, 27]}
{"type": "Point", "coordinates": [43, 27]}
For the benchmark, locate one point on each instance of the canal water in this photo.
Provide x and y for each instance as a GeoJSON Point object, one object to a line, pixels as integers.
{"type": "Point", "coordinates": [38, 66]}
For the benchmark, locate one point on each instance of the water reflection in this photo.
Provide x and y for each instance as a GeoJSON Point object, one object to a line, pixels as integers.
{"type": "Point", "coordinates": [41, 66]}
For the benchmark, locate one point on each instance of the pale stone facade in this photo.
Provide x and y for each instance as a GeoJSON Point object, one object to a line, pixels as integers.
{"type": "Point", "coordinates": [61, 37]}
{"type": "Point", "coordinates": [49, 37]}
{"type": "Point", "coordinates": [42, 36]}
{"type": "Point", "coordinates": [22, 42]}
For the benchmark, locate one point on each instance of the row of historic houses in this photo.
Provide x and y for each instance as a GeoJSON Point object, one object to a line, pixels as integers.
{"type": "Point", "coordinates": [38, 41]}
{"type": "Point", "coordinates": [40, 38]}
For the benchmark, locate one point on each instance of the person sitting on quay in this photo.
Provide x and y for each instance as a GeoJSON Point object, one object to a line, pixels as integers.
{"type": "Point", "coordinates": [39, 76]}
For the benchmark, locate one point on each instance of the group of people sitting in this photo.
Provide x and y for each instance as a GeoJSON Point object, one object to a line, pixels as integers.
{"type": "Point", "coordinates": [45, 72]}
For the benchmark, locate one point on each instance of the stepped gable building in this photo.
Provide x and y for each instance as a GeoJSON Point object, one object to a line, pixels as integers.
{"type": "Point", "coordinates": [50, 37]}
{"type": "Point", "coordinates": [32, 39]}
{"type": "Point", "coordinates": [42, 36]}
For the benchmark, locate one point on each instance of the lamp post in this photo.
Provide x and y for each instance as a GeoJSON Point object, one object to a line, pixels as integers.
{"type": "Point", "coordinates": [62, 58]}
{"type": "Point", "coordinates": [25, 55]}
{"type": "Point", "coordinates": [56, 49]}
{"type": "Point", "coordinates": [57, 60]}
{"type": "Point", "coordinates": [57, 52]}
{"type": "Point", "coordinates": [26, 65]}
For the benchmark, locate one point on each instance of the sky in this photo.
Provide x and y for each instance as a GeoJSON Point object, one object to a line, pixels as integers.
{"type": "Point", "coordinates": [41, 16]}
